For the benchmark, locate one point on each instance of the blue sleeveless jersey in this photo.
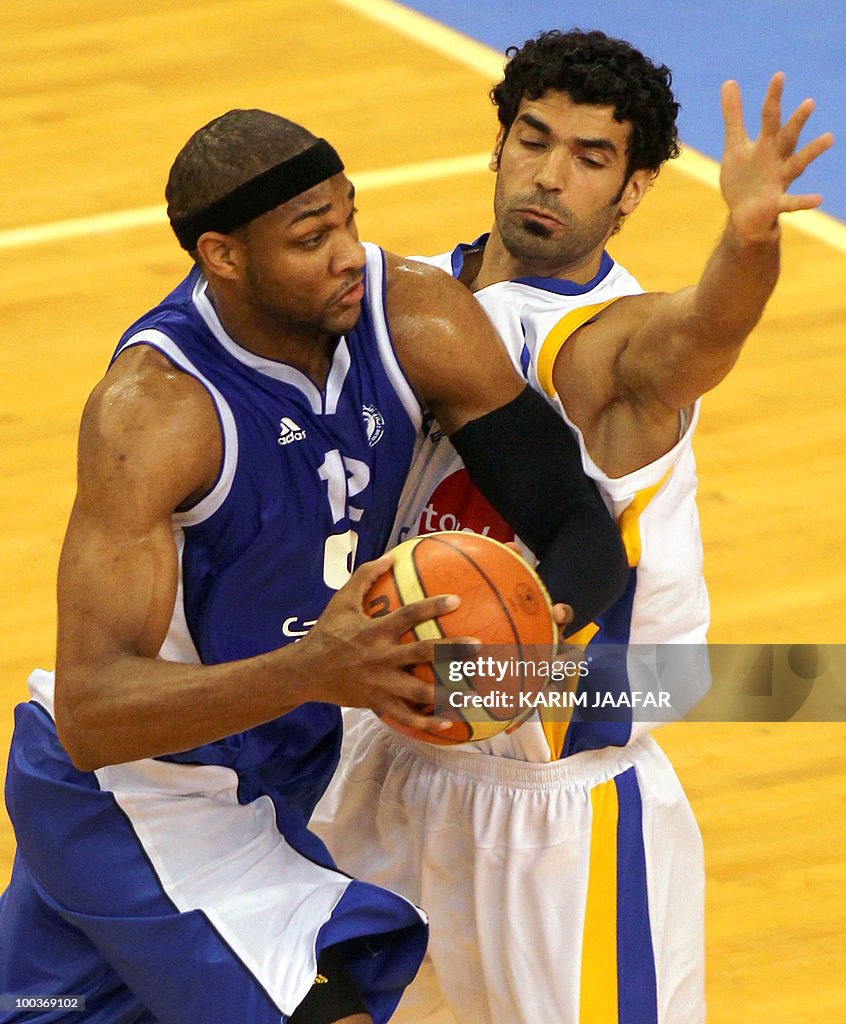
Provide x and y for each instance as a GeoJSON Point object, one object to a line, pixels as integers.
{"type": "Point", "coordinates": [308, 487]}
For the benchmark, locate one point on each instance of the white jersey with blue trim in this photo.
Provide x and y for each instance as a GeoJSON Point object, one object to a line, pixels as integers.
{"type": "Point", "coordinates": [306, 491]}
{"type": "Point", "coordinates": [665, 601]}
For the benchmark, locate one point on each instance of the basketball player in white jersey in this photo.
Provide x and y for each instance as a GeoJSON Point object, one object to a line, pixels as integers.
{"type": "Point", "coordinates": [244, 452]}
{"type": "Point", "coordinates": [561, 865]}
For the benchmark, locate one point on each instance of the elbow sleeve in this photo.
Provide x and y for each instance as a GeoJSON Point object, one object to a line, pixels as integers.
{"type": "Point", "coordinates": [525, 461]}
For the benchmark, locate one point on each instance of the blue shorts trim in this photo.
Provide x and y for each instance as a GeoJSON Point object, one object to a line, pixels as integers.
{"type": "Point", "coordinates": [87, 912]}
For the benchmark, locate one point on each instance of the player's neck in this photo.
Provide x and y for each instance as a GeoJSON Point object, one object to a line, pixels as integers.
{"type": "Point", "coordinates": [498, 264]}
{"type": "Point", "coordinates": [307, 350]}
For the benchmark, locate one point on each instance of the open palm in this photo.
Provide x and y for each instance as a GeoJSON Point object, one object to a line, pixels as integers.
{"type": "Point", "coordinates": [755, 174]}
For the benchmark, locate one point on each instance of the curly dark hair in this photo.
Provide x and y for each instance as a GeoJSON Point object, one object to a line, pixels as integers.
{"type": "Point", "coordinates": [593, 68]}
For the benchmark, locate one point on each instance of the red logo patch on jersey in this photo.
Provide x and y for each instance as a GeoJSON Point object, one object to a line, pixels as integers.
{"type": "Point", "coordinates": [455, 504]}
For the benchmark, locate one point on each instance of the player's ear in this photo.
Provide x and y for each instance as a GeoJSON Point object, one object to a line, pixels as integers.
{"type": "Point", "coordinates": [220, 254]}
{"type": "Point", "coordinates": [497, 150]}
{"type": "Point", "coordinates": [634, 190]}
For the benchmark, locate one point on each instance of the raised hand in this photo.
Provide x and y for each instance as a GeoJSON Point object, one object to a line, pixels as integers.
{"type": "Point", "coordinates": [756, 174]}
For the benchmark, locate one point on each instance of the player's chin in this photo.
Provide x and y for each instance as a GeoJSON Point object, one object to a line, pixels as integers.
{"type": "Point", "coordinates": [341, 320]}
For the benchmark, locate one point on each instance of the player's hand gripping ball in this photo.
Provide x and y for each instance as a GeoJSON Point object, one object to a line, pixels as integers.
{"type": "Point", "coordinates": [503, 602]}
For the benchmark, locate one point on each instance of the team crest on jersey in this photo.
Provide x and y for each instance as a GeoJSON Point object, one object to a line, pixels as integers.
{"type": "Point", "coordinates": [374, 424]}
{"type": "Point", "coordinates": [289, 431]}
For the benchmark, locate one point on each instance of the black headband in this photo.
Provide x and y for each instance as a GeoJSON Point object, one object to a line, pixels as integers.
{"type": "Point", "coordinates": [267, 190]}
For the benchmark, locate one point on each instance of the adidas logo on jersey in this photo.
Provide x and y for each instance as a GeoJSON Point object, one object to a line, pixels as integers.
{"type": "Point", "coordinates": [290, 431]}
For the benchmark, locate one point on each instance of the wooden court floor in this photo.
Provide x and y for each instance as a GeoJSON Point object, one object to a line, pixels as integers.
{"type": "Point", "coordinates": [97, 96]}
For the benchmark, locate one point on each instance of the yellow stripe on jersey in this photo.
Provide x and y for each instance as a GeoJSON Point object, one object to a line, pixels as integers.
{"type": "Point", "coordinates": [554, 341]}
{"type": "Point", "coordinates": [583, 636]}
{"type": "Point", "coordinates": [409, 589]}
{"type": "Point", "coordinates": [553, 720]}
{"type": "Point", "coordinates": [598, 993]}
{"type": "Point", "coordinates": [554, 728]}
{"type": "Point", "coordinates": [629, 521]}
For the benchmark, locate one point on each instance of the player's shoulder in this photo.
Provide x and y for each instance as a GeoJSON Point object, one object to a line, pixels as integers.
{"type": "Point", "coordinates": [414, 266]}
{"type": "Point", "coordinates": [149, 429]}
{"type": "Point", "coordinates": [443, 261]}
{"type": "Point", "coordinates": [412, 286]}
{"type": "Point", "coordinates": [619, 279]}
{"type": "Point", "coordinates": [143, 391]}
{"type": "Point", "coordinates": [557, 314]}
{"type": "Point", "coordinates": [464, 262]}
{"type": "Point", "coordinates": [143, 371]}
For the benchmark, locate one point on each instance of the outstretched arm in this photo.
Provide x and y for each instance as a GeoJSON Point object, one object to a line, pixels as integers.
{"type": "Point", "coordinates": [680, 345]}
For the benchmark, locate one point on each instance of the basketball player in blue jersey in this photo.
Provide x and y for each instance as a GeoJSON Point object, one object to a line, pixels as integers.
{"type": "Point", "coordinates": [561, 865]}
{"type": "Point", "coordinates": [240, 466]}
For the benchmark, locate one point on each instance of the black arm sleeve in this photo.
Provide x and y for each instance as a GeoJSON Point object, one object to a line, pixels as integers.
{"type": "Point", "coordinates": [525, 461]}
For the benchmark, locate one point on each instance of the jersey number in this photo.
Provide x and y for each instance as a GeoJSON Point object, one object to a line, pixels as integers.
{"type": "Point", "coordinates": [344, 478]}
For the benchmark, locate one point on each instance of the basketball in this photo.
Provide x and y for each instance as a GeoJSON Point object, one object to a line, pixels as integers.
{"type": "Point", "coordinates": [503, 602]}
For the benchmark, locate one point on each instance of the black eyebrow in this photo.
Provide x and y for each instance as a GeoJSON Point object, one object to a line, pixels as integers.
{"type": "Point", "coordinates": [311, 213]}
{"type": "Point", "coordinates": [606, 144]}
{"type": "Point", "coordinates": [585, 143]}
{"type": "Point", "coordinates": [536, 123]}
{"type": "Point", "coordinates": [321, 210]}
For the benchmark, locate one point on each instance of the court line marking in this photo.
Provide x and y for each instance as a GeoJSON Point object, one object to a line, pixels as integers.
{"type": "Point", "coordinates": [489, 62]}
{"type": "Point", "coordinates": [457, 47]}
{"type": "Point", "coordinates": [152, 216]}
{"type": "Point", "coordinates": [815, 223]}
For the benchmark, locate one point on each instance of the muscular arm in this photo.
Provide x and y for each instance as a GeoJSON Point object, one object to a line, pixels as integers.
{"type": "Point", "coordinates": [150, 443]}
{"type": "Point", "coordinates": [519, 453]}
{"type": "Point", "coordinates": [663, 351]}
{"type": "Point", "coordinates": [681, 345]}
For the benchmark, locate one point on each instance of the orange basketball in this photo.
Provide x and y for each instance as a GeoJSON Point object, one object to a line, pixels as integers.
{"type": "Point", "coordinates": [503, 602]}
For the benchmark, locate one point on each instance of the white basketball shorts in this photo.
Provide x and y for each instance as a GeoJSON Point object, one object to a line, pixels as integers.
{"type": "Point", "coordinates": [562, 893]}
